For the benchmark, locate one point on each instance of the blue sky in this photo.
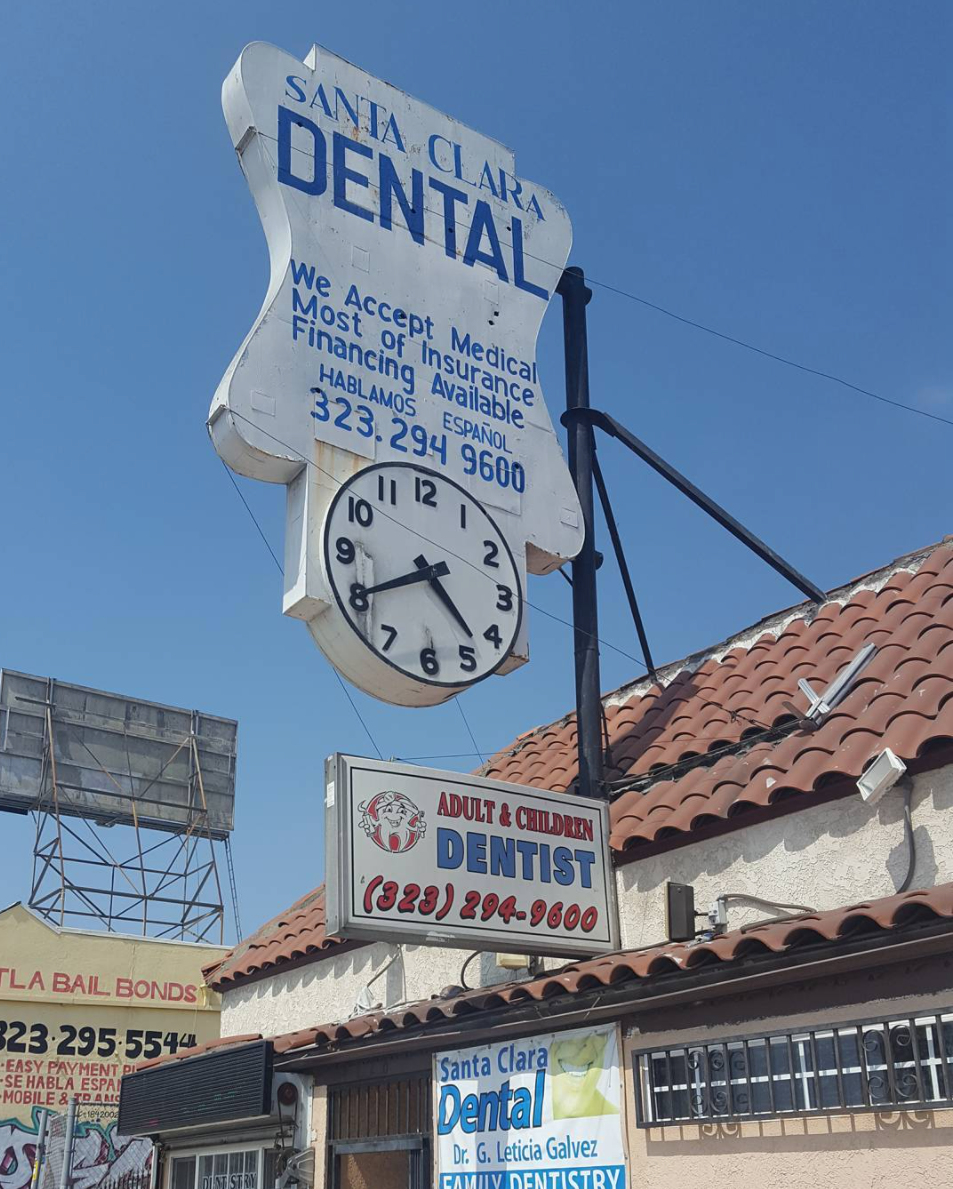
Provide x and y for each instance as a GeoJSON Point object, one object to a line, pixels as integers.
{"type": "Point", "coordinates": [779, 172]}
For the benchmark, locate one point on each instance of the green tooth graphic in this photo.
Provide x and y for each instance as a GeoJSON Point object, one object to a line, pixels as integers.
{"type": "Point", "coordinates": [575, 1069]}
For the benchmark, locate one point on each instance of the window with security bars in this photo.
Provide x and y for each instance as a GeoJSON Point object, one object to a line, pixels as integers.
{"type": "Point", "coordinates": [379, 1134]}
{"type": "Point", "coordinates": [872, 1065]}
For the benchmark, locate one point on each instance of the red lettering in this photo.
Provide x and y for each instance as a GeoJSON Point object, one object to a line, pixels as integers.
{"type": "Point", "coordinates": [61, 982]}
{"type": "Point", "coordinates": [442, 811]}
{"type": "Point", "coordinates": [13, 981]}
{"type": "Point", "coordinates": [37, 981]}
{"type": "Point", "coordinates": [190, 993]}
{"type": "Point", "coordinates": [123, 988]}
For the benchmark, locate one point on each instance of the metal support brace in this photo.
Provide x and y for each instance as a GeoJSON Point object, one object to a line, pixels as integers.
{"type": "Point", "coordinates": [574, 416]}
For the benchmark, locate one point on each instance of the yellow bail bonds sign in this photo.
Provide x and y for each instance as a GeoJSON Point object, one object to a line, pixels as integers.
{"type": "Point", "coordinates": [539, 1113]}
{"type": "Point", "coordinates": [79, 1009]}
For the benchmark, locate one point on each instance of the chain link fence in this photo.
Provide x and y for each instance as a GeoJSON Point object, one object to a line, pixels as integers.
{"type": "Point", "coordinates": [99, 1158]}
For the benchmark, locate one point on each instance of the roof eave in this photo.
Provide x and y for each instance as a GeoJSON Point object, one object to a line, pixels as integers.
{"type": "Point", "coordinates": [629, 997]}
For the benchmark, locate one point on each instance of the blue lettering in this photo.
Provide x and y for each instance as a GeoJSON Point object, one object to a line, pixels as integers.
{"type": "Point", "coordinates": [318, 183]}
{"type": "Point", "coordinates": [319, 99]}
{"type": "Point", "coordinates": [448, 1111]}
{"type": "Point", "coordinates": [391, 127]}
{"type": "Point", "coordinates": [486, 180]}
{"type": "Point", "coordinates": [342, 175]}
{"type": "Point", "coordinates": [293, 81]}
{"type": "Point", "coordinates": [432, 153]}
{"type": "Point", "coordinates": [527, 851]}
{"type": "Point", "coordinates": [302, 272]}
{"type": "Point", "coordinates": [502, 854]}
{"type": "Point", "coordinates": [391, 188]}
{"type": "Point", "coordinates": [483, 221]}
{"type": "Point", "coordinates": [449, 848]}
{"type": "Point", "coordinates": [476, 852]}
{"type": "Point", "coordinates": [562, 859]}
{"type": "Point", "coordinates": [519, 272]}
{"type": "Point", "coordinates": [451, 196]}
{"type": "Point", "coordinates": [339, 98]}
{"type": "Point", "coordinates": [585, 859]}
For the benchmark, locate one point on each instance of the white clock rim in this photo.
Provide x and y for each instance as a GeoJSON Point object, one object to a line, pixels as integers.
{"type": "Point", "coordinates": [461, 683]}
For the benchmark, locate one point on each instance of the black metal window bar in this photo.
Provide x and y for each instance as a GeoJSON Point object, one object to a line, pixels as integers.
{"type": "Point", "coordinates": [874, 1065]}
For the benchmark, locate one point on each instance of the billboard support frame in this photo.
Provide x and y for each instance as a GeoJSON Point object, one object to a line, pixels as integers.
{"type": "Point", "coordinates": [59, 892]}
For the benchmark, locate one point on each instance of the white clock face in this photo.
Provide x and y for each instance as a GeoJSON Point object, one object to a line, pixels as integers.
{"type": "Point", "coordinates": [422, 574]}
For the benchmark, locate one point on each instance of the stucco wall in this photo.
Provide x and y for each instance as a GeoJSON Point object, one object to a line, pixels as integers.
{"type": "Point", "coordinates": [860, 1151]}
{"type": "Point", "coordinates": [824, 857]}
{"type": "Point", "coordinates": [328, 990]}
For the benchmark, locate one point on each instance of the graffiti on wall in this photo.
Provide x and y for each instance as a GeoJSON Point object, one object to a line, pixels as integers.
{"type": "Point", "coordinates": [99, 1153]}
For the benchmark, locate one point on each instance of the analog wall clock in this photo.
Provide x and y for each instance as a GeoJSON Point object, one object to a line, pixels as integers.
{"type": "Point", "coordinates": [426, 593]}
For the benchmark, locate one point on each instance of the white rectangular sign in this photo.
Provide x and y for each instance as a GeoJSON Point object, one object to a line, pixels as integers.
{"type": "Point", "coordinates": [416, 854]}
{"type": "Point", "coordinates": [540, 1113]}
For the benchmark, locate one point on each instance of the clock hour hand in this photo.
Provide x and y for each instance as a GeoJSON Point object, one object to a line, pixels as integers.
{"type": "Point", "coordinates": [441, 591]}
{"type": "Point", "coordinates": [429, 574]}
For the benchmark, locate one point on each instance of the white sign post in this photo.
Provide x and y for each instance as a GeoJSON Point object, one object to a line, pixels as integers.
{"type": "Point", "coordinates": [415, 854]}
{"type": "Point", "coordinates": [410, 271]}
{"type": "Point", "coordinates": [544, 1112]}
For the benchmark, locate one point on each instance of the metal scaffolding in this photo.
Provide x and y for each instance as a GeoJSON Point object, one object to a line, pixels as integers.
{"type": "Point", "coordinates": [131, 803]}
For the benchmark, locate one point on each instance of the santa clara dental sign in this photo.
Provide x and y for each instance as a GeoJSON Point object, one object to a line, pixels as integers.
{"type": "Point", "coordinates": [415, 854]}
{"type": "Point", "coordinates": [540, 1113]}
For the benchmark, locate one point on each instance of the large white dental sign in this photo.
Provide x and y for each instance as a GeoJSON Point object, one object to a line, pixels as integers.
{"type": "Point", "coordinates": [390, 379]}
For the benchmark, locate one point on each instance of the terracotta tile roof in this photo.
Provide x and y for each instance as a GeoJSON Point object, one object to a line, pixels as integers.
{"type": "Point", "coordinates": [795, 936]}
{"type": "Point", "coordinates": [682, 741]}
{"type": "Point", "coordinates": [294, 935]}
{"type": "Point", "coordinates": [718, 699]}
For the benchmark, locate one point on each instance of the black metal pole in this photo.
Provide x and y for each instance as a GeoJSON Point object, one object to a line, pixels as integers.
{"type": "Point", "coordinates": [572, 288]}
{"type": "Point", "coordinates": [622, 563]}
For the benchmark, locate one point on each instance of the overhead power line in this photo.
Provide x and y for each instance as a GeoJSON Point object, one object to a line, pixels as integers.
{"type": "Point", "coordinates": [736, 341]}
{"type": "Point", "coordinates": [281, 570]}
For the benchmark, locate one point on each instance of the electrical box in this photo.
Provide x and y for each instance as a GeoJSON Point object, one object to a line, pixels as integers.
{"type": "Point", "coordinates": [512, 961]}
{"type": "Point", "coordinates": [679, 911]}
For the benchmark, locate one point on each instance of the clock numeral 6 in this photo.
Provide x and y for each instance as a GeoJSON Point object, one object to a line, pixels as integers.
{"type": "Point", "coordinates": [467, 658]}
{"type": "Point", "coordinates": [359, 511]}
{"type": "Point", "coordinates": [504, 600]}
{"type": "Point", "coordinates": [428, 661]}
{"type": "Point", "coordinates": [358, 599]}
{"type": "Point", "coordinates": [345, 550]}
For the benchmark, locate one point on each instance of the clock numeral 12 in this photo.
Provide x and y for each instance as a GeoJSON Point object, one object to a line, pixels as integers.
{"type": "Point", "coordinates": [425, 492]}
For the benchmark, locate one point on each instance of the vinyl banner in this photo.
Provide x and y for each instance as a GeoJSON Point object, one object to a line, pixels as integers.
{"type": "Point", "coordinates": [540, 1113]}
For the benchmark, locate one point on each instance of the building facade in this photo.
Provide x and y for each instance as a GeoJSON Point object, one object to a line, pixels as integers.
{"type": "Point", "coordinates": [804, 1035]}
{"type": "Point", "coordinates": [78, 1009]}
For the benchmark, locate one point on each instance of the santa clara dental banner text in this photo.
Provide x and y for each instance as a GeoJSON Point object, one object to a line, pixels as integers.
{"type": "Point", "coordinates": [539, 1113]}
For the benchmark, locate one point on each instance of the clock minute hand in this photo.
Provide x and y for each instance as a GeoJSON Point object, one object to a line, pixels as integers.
{"type": "Point", "coordinates": [429, 574]}
{"type": "Point", "coordinates": [441, 591]}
